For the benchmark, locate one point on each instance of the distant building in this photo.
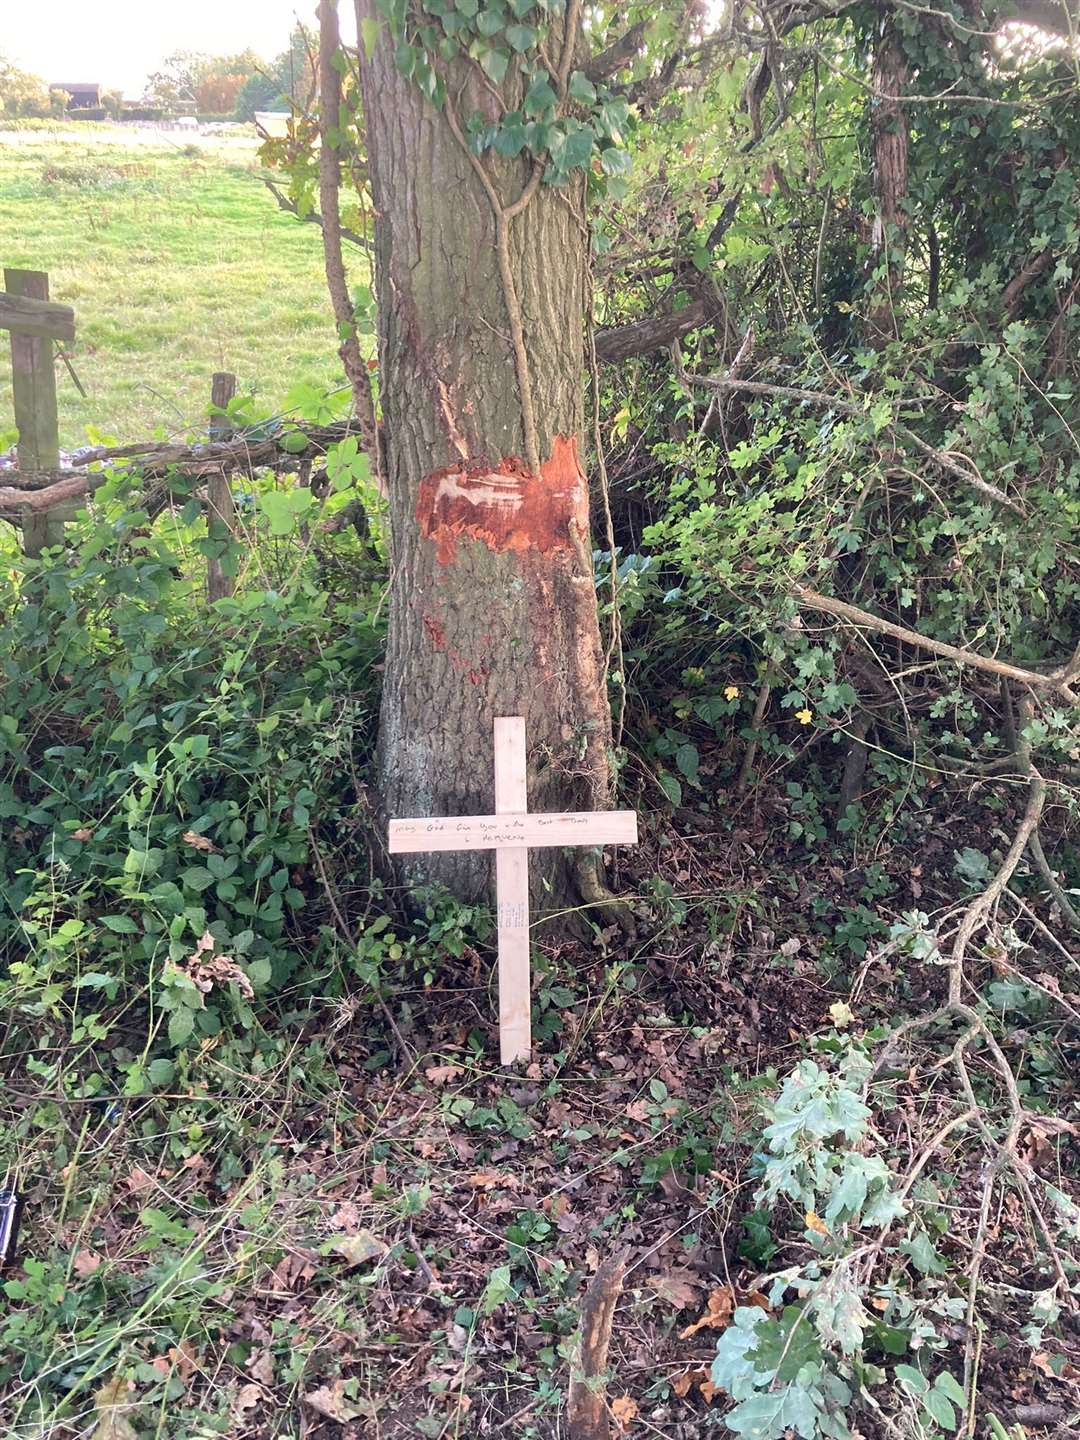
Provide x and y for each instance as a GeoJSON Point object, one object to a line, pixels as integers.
{"type": "Point", "coordinates": [274, 123]}
{"type": "Point", "coordinates": [81, 96]}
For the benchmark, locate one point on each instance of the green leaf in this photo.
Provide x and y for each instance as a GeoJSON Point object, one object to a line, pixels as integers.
{"type": "Point", "coordinates": [122, 924]}
{"type": "Point", "coordinates": [490, 22]}
{"type": "Point", "coordinates": [521, 37]}
{"type": "Point", "coordinates": [540, 97]}
{"type": "Point", "coordinates": [510, 140]}
{"type": "Point", "coordinates": [912, 1380]}
{"type": "Point", "coordinates": [468, 8]}
{"type": "Point", "coordinates": [283, 508]}
{"type": "Point", "coordinates": [670, 786]}
{"type": "Point", "coordinates": [497, 1289]}
{"type": "Point", "coordinates": [293, 442]}
{"type": "Point", "coordinates": [577, 148]}
{"type": "Point", "coordinates": [582, 88]}
{"type": "Point", "coordinates": [770, 1414]}
{"type": "Point", "coordinates": [496, 63]}
{"type": "Point", "coordinates": [369, 33]}
{"type": "Point", "coordinates": [940, 1408]}
{"type": "Point", "coordinates": [160, 1072]}
{"type": "Point", "coordinates": [951, 1387]}
{"type": "Point", "coordinates": [686, 758]}
{"type": "Point", "coordinates": [181, 1024]}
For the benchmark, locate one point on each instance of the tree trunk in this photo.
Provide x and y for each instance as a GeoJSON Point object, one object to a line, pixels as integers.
{"type": "Point", "coordinates": [889, 132]}
{"type": "Point", "coordinates": [492, 598]}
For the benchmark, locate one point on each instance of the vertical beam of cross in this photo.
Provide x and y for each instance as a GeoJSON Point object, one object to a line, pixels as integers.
{"type": "Point", "coordinates": [512, 832]}
{"type": "Point", "coordinates": [33, 378]}
{"type": "Point", "coordinates": [512, 896]}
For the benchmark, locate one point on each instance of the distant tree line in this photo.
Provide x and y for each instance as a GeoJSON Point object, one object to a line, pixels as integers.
{"type": "Point", "coordinates": [236, 85]}
{"type": "Point", "coordinates": [233, 86]}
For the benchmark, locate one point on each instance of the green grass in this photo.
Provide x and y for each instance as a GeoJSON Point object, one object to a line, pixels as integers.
{"type": "Point", "coordinates": [177, 264]}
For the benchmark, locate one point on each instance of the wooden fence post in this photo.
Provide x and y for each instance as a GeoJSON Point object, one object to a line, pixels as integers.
{"type": "Point", "coordinates": [33, 378]}
{"type": "Point", "coordinates": [221, 513]}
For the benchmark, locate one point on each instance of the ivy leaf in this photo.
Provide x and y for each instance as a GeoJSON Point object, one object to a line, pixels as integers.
{"type": "Point", "coordinates": [577, 148]}
{"type": "Point", "coordinates": [540, 97]}
{"type": "Point", "coordinates": [614, 161]}
{"type": "Point", "coordinates": [495, 63]}
{"type": "Point", "coordinates": [490, 22]}
{"type": "Point", "coordinates": [160, 1072]}
{"type": "Point", "coordinates": [582, 88]}
{"type": "Point", "coordinates": [521, 37]}
{"type": "Point", "coordinates": [467, 8]}
{"type": "Point", "coordinates": [510, 140]}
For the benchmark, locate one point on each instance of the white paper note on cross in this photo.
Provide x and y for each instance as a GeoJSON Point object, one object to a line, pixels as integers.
{"type": "Point", "coordinates": [512, 832]}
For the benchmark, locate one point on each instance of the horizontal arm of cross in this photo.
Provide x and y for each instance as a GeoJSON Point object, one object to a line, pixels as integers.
{"type": "Point", "coordinates": [41, 318]}
{"type": "Point", "coordinates": [527, 831]}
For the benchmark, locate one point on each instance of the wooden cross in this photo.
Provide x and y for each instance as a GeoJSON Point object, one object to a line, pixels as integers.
{"type": "Point", "coordinates": [512, 832]}
{"type": "Point", "coordinates": [35, 322]}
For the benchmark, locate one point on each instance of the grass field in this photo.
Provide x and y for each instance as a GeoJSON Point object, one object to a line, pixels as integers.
{"type": "Point", "coordinates": [178, 263]}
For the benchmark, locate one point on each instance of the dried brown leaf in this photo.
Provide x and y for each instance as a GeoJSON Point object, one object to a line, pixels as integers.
{"type": "Point", "coordinates": [199, 842]}
{"type": "Point", "coordinates": [112, 1405]}
{"type": "Point", "coordinates": [85, 1263]}
{"type": "Point", "coordinates": [679, 1288]}
{"type": "Point", "coordinates": [717, 1314]}
{"type": "Point", "coordinates": [358, 1248]}
{"type": "Point", "coordinates": [331, 1401]}
{"type": "Point", "coordinates": [624, 1410]}
{"type": "Point", "coordinates": [491, 1180]}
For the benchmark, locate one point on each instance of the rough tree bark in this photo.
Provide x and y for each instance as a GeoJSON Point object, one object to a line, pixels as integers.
{"type": "Point", "coordinates": [889, 148]}
{"type": "Point", "coordinates": [492, 599]}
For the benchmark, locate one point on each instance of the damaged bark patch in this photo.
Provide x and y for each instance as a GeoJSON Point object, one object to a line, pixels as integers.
{"type": "Point", "coordinates": [504, 505]}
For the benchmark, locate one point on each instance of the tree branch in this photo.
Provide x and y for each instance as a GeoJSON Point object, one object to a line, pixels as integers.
{"type": "Point", "coordinates": [1058, 679]}
{"type": "Point", "coordinates": [330, 120]}
{"type": "Point", "coordinates": [314, 218]}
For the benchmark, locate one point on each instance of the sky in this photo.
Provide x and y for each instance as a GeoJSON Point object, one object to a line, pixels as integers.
{"type": "Point", "coordinates": [119, 42]}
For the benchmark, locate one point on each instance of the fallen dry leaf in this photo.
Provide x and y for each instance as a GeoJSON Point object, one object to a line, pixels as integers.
{"type": "Point", "coordinates": [138, 1179]}
{"type": "Point", "coordinates": [198, 842]}
{"type": "Point", "coordinates": [442, 1074]}
{"type": "Point", "coordinates": [112, 1405]}
{"type": "Point", "coordinates": [82, 833]}
{"type": "Point", "coordinates": [624, 1410]}
{"type": "Point", "coordinates": [815, 1223]}
{"type": "Point", "coordinates": [717, 1314]}
{"type": "Point", "coordinates": [260, 1366]}
{"type": "Point", "coordinates": [358, 1248]}
{"type": "Point", "coordinates": [708, 1389]}
{"type": "Point", "coordinates": [85, 1263]}
{"type": "Point", "coordinates": [247, 1397]}
{"type": "Point", "coordinates": [679, 1288]}
{"type": "Point", "coordinates": [683, 1383]}
{"type": "Point", "coordinates": [331, 1401]}
{"type": "Point", "coordinates": [491, 1180]}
